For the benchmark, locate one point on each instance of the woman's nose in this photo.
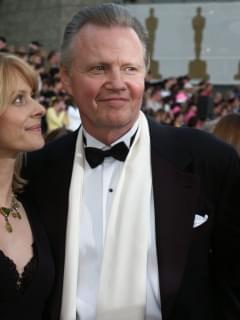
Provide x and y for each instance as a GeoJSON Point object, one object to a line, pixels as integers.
{"type": "Point", "coordinates": [39, 110]}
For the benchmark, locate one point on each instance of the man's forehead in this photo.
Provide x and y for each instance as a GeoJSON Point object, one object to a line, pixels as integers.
{"type": "Point", "coordinates": [88, 37]}
{"type": "Point", "coordinates": [90, 32]}
{"type": "Point", "coordinates": [93, 28]}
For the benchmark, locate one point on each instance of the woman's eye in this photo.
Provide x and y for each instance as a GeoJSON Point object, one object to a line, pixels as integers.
{"type": "Point", "coordinates": [19, 99]}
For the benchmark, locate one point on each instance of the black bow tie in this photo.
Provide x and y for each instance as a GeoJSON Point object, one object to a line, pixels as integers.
{"type": "Point", "coordinates": [96, 156]}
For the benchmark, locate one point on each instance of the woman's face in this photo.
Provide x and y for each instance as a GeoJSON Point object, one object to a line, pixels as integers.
{"type": "Point", "coordinates": [20, 123]}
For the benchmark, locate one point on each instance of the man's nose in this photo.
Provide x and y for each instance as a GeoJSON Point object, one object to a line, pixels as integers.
{"type": "Point", "coordinates": [115, 80]}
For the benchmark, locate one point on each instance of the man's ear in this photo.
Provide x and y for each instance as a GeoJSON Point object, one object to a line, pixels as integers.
{"type": "Point", "coordinates": [66, 79]}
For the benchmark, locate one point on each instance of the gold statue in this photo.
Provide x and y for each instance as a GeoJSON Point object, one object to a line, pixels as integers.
{"type": "Point", "coordinates": [237, 75]}
{"type": "Point", "coordinates": [152, 25]}
{"type": "Point", "coordinates": [198, 67]}
{"type": "Point", "coordinates": [198, 24]}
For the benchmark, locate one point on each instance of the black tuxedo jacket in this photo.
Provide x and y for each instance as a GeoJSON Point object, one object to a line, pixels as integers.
{"type": "Point", "coordinates": [193, 173]}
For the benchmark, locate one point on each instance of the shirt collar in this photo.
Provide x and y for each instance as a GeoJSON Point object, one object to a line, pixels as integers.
{"type": "Point", "coordinates": [126, 138]}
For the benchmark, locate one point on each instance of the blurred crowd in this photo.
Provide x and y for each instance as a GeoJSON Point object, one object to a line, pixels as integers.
{"type": "Point", "coordinates": [175, 101]}
{"type": "Point", "coordinates": [179, 102]}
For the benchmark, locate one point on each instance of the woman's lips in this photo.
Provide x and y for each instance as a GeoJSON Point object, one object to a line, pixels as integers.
{"type": "Point", "coordinates": [35, 128]}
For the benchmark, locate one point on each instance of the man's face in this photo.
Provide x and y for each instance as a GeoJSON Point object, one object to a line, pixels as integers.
{"type": "Point", "coordinates": [106, 79]}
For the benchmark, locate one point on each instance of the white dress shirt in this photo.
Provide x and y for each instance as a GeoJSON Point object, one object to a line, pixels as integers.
{"type": "Point", "coordinates": [98, 189]}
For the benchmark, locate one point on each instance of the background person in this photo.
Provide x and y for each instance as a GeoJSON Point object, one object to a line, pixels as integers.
{"type": "Point", "coordinates": [3, 44]}
{"type": "Point", "coordinates": [56, 115]}
{"type": "Point", "coordinates": [228, 130]}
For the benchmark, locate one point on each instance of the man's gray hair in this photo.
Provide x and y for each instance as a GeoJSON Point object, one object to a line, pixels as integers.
{"type": "Point", "coordinates": [106, 15]}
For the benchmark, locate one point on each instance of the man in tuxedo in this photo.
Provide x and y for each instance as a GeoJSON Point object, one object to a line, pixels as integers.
{"type": "Point", "coordinates": [143, 219]}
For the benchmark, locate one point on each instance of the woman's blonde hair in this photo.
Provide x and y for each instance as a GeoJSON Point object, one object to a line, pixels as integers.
{"type": "Point", "coordinates": [228, 130]}
{"type": "Point", "coordinates": [12, 67]}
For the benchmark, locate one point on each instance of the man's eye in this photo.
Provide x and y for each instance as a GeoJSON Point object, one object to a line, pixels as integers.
{"type": "Point", "coordinates": [130, 69]}
{"type": "Point", "coordinates": [99, 68]}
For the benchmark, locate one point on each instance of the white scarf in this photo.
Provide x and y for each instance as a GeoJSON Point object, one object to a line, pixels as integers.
{"type": "Point", "coordinates": [123, 280]}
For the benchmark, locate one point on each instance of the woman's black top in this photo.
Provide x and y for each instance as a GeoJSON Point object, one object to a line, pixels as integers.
{"type": "Point", "coordinates": [25, 297]}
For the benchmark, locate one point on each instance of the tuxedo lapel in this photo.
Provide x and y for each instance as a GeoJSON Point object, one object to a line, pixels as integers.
{"type": "Point", "coordinates": [175, 200]}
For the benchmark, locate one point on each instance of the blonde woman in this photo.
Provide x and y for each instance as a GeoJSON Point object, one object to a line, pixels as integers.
{"type": "Point", "coordinates": [26, 267]}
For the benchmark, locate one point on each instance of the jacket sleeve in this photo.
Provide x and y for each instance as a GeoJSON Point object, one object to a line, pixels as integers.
{"type": "Point", "coordinates": [226, 243]}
